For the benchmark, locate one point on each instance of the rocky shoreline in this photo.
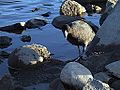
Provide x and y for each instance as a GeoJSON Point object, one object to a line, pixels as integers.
{"type": "Point", "coordinates": [33, 64]}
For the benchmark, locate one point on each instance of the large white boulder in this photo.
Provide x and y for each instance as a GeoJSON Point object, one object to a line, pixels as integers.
{"type": "Point", "coordinates": [75, 74]}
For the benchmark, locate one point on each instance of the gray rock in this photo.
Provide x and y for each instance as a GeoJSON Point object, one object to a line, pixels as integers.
{"type": "Point", "coordinates": [26, 38]}
{"type": "Point", "coordinates": [96, 85]}
{"type": "Point", "coordinates": [59, 21]}
{"type": "Point", "coordinates": [116, 85]}
{"type": "Point", "coordinates": [109, 7]}
{"type": "Point", "coordinates": [35, 23]}
{"type": "Point", "coordinates": [41, 86]}
{"type": "Point", "coordinates": [72, 8]}
{"type": "Point", "coordinates": [4, 54]}
{"type": "Point", "coordinates": [102, 76]}
{"type": "Point", "coordinates": [6, 83]}
{"type": "Point", "coordinates": [47, 14]}
{"type": "Point", "coordinates": [5, 41]}
{"type": "Point", "coordinates": [43, 73]}
{"type": "Point", "coordinates": [16, 28]}
{"type": "Point", "coordinates": [114, 68]}
{"type": "Point", "coordinates": [75, 74]}
{"type": "Point", "coordinates": [110, 24]}
{"type": "Point", "coordinates": [28, 55]}
{"type": "Point", "coordinates": [56, 85]}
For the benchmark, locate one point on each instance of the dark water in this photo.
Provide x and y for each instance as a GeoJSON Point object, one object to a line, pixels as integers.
{"type": "Point", "coordinates": [12, 11]}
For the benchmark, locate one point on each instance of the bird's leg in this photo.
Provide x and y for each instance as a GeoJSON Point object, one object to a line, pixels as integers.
{"type": "Point", "coordinates": [84, 56]}
{"type": "Point", "coordinates": [76, 59]}
{"type": "Point", "coordinates": [79, 51]}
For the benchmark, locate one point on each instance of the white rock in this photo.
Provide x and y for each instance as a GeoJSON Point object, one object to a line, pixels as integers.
{"type": "Point", "coordinates": [75, 74]}
{"type": "Point", "coordinates": [114, 68]}
{"type": "Point", "coordinates": [96, 85]}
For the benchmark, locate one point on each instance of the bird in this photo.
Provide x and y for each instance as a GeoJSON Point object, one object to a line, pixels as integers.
{"type": "Point", "coordinates": [80, 33]}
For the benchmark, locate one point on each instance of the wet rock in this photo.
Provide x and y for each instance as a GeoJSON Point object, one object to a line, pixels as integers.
{"type": "Point", "coordinates": [102, 76]}
{"type": "Point", "coordinates": [35, 9]}
{"type": "Point", "coordinates": [28, 55]}
{"type": "Point", "coordinates": [103, 17]}
{"type": "Point", "coordinates": [72, 8]}
{"type": "Point", "coordinates": [47, 14]}
{"type": "Point", "coordinates": [41, 86]}
{"type": "Point", "coordinates": [56, 85]}
{"type": "Point", "coordinates": [35, 23]}
{"type": "Point", "coordinates": [47, 4]}
{"type": "Point", "coordinates": [26, 38]}
{"type": "Point", "coordinates": [100, 3]}
{"type": "Point", "coordinates": [106, 37]}
{"type": "Point", "coordinates": [44, 73]}
{"type": "Point", "coordinates": [96, 85]}
{"type": "Point", "coordinates": [4, 54]}
{"type": "Point", "coordinates": [59, 21]}
{"type": "Point", "coordinates": [6, 83]}
{"type": "Point", "coordinates": [18, 88]}
{"type": "Point", "coordinates": [75, 74]}
{"type": "Point", "coordinates": [116, 85]}
{"type": "Point", "coordinates": [1, 60]}
{"type": "Point", "coordinates": [109, 6]}
{"type": "Point", "coordinates": [114, 68]}
{"type": "Point", "coordinates": [16, 28]}
{"type": "Point", "coordinates": [5, 41]}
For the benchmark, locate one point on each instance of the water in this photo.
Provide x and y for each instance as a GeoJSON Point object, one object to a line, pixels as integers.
{"type": "Point", "coordinates": [20, 10]}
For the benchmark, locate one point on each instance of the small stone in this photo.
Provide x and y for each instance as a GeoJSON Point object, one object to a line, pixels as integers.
{"type": "Point", "coordinates": [47, 14]}
{"type": "Point", "coordinates": [114, 68]}
{"type": "Point", "coordinates": [26, 38]}
{"type": "Point", "coordinates": [35, 9]}
{"type": "Point", "coordinates": [4, 54]}
{"type": "Point", "coordinates": [5, 41]}
{"type": "Point", "coordinates": [35, 23]}
{"type": "Point", "coordinates": [16, 28]}
{"type": "Point", "coordinates": [96, 85]}
{"type": "Point", "coordinates": [47, 4]}
{"type": "Point", "coordinates": [102, 76]}
{"type": "Point", "coordinates": [75, 74]}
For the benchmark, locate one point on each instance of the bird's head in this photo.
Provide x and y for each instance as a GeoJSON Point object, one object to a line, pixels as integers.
{"type": "Point", "coordinates": [65, 30]}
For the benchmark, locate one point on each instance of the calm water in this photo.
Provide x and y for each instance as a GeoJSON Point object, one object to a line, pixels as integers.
{"type": "Point", "coordinates": [20, 10]}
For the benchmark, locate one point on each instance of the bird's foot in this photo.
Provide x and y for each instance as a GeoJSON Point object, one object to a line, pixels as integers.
{"type": "Point", "coordinates": [74, 60]}
{"type": "Point", "coordinates": [84, 57]}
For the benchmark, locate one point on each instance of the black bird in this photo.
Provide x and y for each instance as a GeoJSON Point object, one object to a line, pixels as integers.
{"type": "Point", "coordinates": [80, 33]}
